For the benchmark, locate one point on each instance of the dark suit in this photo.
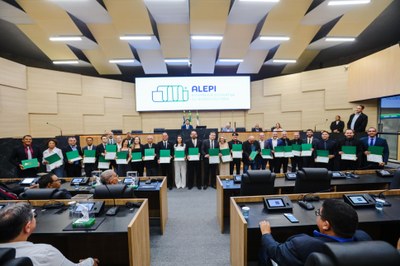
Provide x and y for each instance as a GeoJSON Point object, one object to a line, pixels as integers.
{"type": "Point", "coordinates": [138, 166]}
{"type": "Point", "coordinates": [284, 161]}
{"type": "Point", "coordinates": [235, 161]}
{"type": "Point", "coordinates": [339, 126]}
{"type": "Point", "coordinates": [89, 167]}
{"type": "Point", "coordinates": [247, 149]}
{"type": "Point", "coordinates": [166, 168]}
{"type": "Point", "coordinates": [193, 167]}
{"type": "Point", "coordinates": [329, 145]}
{"type": "Point", "coordinates": [99, 150]}
{"type": "Point", "coordinates": [347, 164]}
{"type": "Point", "coordinates": [19, 154]}
{"type": "Point", "coordinates": [274, 164]}
{"type": "Point", "coordinates": [378, 142]}
{"type": "Point", "coordinates": [360, 124]}
{"type": "Point", "coordinates": [256, 129]}
{"type": "Point", "coordinates": [183, 127]}
{"type": "Point", "coordinates": [309, 160]}
{"type": "Point", "coordinates": [260, 162]}
{"type": "Point", "coordinates": [73, 169]}
{"type": "Point", "coordinates": [151, 166]}
{"type": "Point", "coordinates": [297, 162]}
{"type": "Point", "coordinates": [209, 169]}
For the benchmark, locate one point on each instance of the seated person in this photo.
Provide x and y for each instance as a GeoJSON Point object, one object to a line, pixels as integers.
{"type": "Point", "coordinates": [109, 177]}
{"type": "Point", "coordinates": [49, 181]}
{"type": "Point", "coordinates": [257, 128]}
{"type": "Point", "coordinates": [17, 223]}
{"type": "Point", "coordinates": [227, 128]}
{"type": "Point", "coordinates": [337, 222]}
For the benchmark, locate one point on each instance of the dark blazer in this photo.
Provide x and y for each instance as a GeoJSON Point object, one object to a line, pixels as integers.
{"type": "Point", "coordinates": [378, 142]}
{"type": "Point", "coordinates": [86, 147]}
{"type": "Point", "coordinates": [314, 141]}
{"type": "Point", "coordinates": [230, 143]}
{"type": "Point", "coordinates": [99, 150]}
{"type": "Point", "coordinates": [247, 150]}
{"type": "Point", "coordinates": [360, 124]}
{"type": "Point", "coordinates": [205, 146]}
{"type": "Point", "coordinates": [339, 127]}
{"type": "Point", "coordinates": [68, 149]}
{"type": "Point", "coordinates": [189, 144]}
{"type": "Point", "coordinates": [269, 141]}
{"type": "Point", "coordinates": [256, 129]}
{"type": "Point", "coordinates": [160, 146]}
{"type": "Point", "coordinates": [330, 146]}
{"type": "Point", "coordinates": [18, 155]}
{"type": "Point", "coordinates": [183, 127]}
{"type": "Point", "coordinates": [152, 163]}
{"type": "Point", "coordinates": [296, 141]}
{"type": "Point", "coordinates": [352, 142]}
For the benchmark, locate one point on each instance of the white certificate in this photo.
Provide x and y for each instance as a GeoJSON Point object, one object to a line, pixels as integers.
{"type": "Point", "coordinates": [89, 159]}
{"type": "Point", "coordinates": [226, 158]}
{"type": "Point", "coordinates": [194, 157]}
{"type": "Point", "coordinates": [349, 157]}
{"type": "Point", "coordinates": [237, 154]}
{"type": "Point", "coordinates": [181, 159]}
{"type": "Point", "coordinates": [266, 156]}
{"type": "Point", "coordinates": [296, 153]}
{"type": "Point", "coordinates": [288, 154]}
{"type": "Point", "coordinates": [121, 161]}
{"type": "Point", "coordinates": [148, 158]}
{"type": "Point", "coordinates": [322, 159]}
{"type": "Point", "coordinates": [103, 165]}
{"type": "Point", "coordinates": [213, 160]}
{"type": "Point", "coordinates": [374, 158]}
{"type": "Point", "coordinates": [110, 155]}
{"type": "Point", "coordinates": [306, 153]}
{"type": "Point", "coordinates": [279, 154]}
{"type": "Point", "coordinates": [165, 159]}
{"type": "Point", "coordinates": [56, 164]}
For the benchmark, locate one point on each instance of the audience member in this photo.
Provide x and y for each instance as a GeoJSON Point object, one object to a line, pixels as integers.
{"type": "Point", "coordinates": [256, 128]}
{"type": "Point", "coordinates": [358, 121]}
{"type": "Point", "coordinates": [56, 167]}
{"type": "Point", "coordinates": [337, 222]}
{"type": "Point", "coordinates": [52, 181]}
{"type": "Point", "coordinates": [337, 126]}
{"type": "Point", "coordinates": [193, 166]}
{"type": "Point", "coordinates": [25, 151]}
{"type": "Point", "coordinates": [17, 223]}
{"type": "Point", "coordinates": [187, 125]}
{"type": "Point", "coordinates": [277, 127]}
{"type": "Point", "coordinates": [109, 177]}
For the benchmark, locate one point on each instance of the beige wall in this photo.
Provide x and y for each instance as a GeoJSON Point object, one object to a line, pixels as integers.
{"type": "Point", "coordinates": [31, 97]}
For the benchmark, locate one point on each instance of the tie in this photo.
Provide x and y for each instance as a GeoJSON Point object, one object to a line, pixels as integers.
{"type": "Point", "coordinates": [165, 144]}
{"type": "Point", "coordinates": [324, 145]}
{"type": "Point", "coordinates": [29, 153]}
{"type": "Point", "coordinates": [212, 144]}
{"type": "Point", "coordinates": [371, 142]}
{"type": "Point", "coordinates": [309, 140]}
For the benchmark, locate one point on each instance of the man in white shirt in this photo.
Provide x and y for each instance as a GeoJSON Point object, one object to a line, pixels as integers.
{"type": "Point", "coordinates": [17, 223]}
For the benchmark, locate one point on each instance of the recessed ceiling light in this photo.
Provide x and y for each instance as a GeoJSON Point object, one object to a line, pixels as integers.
{"type": "Point", "coordinates": [135, 38]}
{"type": "Point", "coordinates": [207, 37]}
{"type": "Point", "coordinates": [274, 38]}
{"type": "Point", "coordinates": [230, 60]}
{"type": "Point", "coordinates": [178, 60]}
{"type": "Point", "coordinates": [266, 1]}
{"type": "Point", "coordinates": [65, 38]}
{"type": "Point", "coordinates": [121, 61]}
{"type": "Point", "coordinates": [284, 61]}
{"type": "Point", "coordinates": [65, 62]}
{"type": "Point", "coordinates": [348, 2]}
{"type": "Point", "coordinates": [340, 39]}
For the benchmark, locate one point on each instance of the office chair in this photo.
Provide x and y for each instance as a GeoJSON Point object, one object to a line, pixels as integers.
{"type": "Point", "coordinates": [363, 253]}
{"type": "Point", "coordinates": [45, 193]}
{"type": "Point", "coordinates": [159, 130]}
{"type": "Point", "coordinates": [7, 258]}
{"type": "Point", "coordinates": [136, 131]}
{"type": "Point", "coordinates": [257, 182]}
{"type": "Point", "coordinates": [310, 180]}
{"type": "Point", "coordinates": [117, 131]}
{"type": "Point", "coordinates": [396, 180]}
{"type": "Point", "coordinates": [118, 191]}
{"type": "Point", "coordinates": [240, 129]}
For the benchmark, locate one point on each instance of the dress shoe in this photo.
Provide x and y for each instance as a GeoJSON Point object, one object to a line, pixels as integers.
{"type": "Point", "coordinates": [190, 188]}
{"type": "Point", "coordinates": [199, 188]}
{"type": "Point", "coordinates": [170, 188]}
{"type": "Point", "coordinates": [205, 187]}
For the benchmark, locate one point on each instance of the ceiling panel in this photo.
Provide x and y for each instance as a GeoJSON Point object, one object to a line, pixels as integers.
{"type": "Point", "coordinates": [236, 40]}
{"type": "Point", "coordinates": [175, 40]}
{"type": "Point", "coordinates": [14, 15]}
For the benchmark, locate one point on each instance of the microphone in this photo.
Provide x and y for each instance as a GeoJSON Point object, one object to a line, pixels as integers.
{"type": "Point", "coordinates": [113, 210]}
{"type": "Point", "coordinates": [304, 202]}
{"type": "Point", "coordinates": [55, 127]}
{"type": "Point", "coordinates": [318, 124]}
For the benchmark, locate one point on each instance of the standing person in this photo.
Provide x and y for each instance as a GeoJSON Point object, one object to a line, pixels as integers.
{"type": "Point", "coordinates": [308, 161]}
{"type": "Point", "coordinates": [89, 167]}
{"type": "Point", "coordinates": [118, 142]}
{"type": "Point", "coordinates": [349, 140]}
{"type": "Point", "coordinates": [249, 146]}
{"type": "Point", "coordinates": [373, 140]}
{"type": "Point", "coordinates": [223, 167]}
{"type": "Point", "coordinates": [17, 223]}
{"type": "Point", "coordinates": [73, 169]}
{"type": "Point", "coordinates": [193, 167]}
{"type": "Point", "coordinates": [166, 168]}
{"type": "Point", "coordinates": [261, 163]}
{"type": "Point", "coordinates": [129, 138]}
{"type": "Point", "coordinates": [358, 121]}
{"type": "Point", "coordinates": [337, 126]}
{"type": "Point", "coordinates": [101, 148]}
{"type": "Point", "coordinates": [327, 145]}
{"type": "Point", "coordinates": [210, 170]}
{"type": "Point", "coordinates": [123, 168]}
{"type": "Point", "coordinates": [274, 164]}
{"type": "Point", "coordinates": [58, 170]}
{"type": "Point", "coordinates": [187, 125]}
{"type": "Point", "coordinates": [180, 166]}
{"type": "Point", "coordinates": [137, 147]}
{"type": "Point", "coordinates": [151, 165]}
{"type": "Point", "coordinates": [24, 152]}
{"type": "Point", "coordinates": [297, 161]}
{"type": "Point", "coordinates": [283, 162]}
{"type": "Point", "coordinates": [236, 162]}
{"type": "Point", "coordinates": [111, 141]}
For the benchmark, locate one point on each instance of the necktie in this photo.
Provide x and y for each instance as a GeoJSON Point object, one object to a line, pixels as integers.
{"type": "Point", "coordinates": [29, 153]}
{"type": "Point", "coordinates": [371, 142]}
{"type": "Point", "coordinates": [165, 144]}
{"type": "Point", "coordinates": [324, 145]}
{"type": "Point", "coordinates": [309, 140]}
{"type": "Point", "coordinates": [212, 144]}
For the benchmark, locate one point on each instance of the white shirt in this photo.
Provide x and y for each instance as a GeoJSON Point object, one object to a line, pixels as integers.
{"type": "Point", "coordinates": [49, 152]}
{"type": "Point", "coordinates": [353, 122]}
{"type": "Point", "coordinates": [43, 254]}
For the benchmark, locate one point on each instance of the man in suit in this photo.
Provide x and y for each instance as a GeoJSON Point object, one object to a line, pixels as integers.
{"type": "Point", "coordinates": [249, 146]}
{"type": "Point", "coordinates": [166, 168]}
{"type": "Point", "coordinates": [284, 161]}
{"type": "Point", "coordinates": [187, 125]}
{"type": "Point", "coordinates": [308, 161]}
{"type": "Point", "coordinates": [274, 164]}
{"type": "Point", "coordinates": [24, 152]}
{"type": "Point", "coordinates": [260, 162]}
{"type": "Point", "coordinates": [235, 161]}
{"type": "Point", "coordinates": [73, 169]}
{"type": "Point", "coordinates": [209, 169]}
{"type": "Point", "coordinates": [349, 140]}
{"type": "Point", "coordinates": [297, 161]}
{"type": "Point", "coordinates": [328, 145]}
{"type": "Point", "coordinates": [358, 121]}
{"type": "Point", "coordinates": [193, 167]}
{"type": "Point", "coordinates": [337, 126]}
{"type": "Point", "coordinates": [373, 140]}
{"type": "Point", "coordinates": [337, 221]}
{"type": "Point", "coordinates": [256, 128]}
{"type": "Point", "coordinates": [101, 148]}
{"type": "Point", "coordinates": [89, 167]}
{"type": "Point", "coordinates": [151, 165]}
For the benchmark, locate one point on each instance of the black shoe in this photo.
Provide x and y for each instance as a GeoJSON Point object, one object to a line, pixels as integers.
{"type": "Point", "coordinates": [199, 188]}
{"type": "Point", "coordinates": [190, 188]}
{"type": "Point", "coordinates": [205, 187]}
{"type": "Point", "coordinates": [170, 188]}
{"type": "Point", "coordinates": [213, 187]}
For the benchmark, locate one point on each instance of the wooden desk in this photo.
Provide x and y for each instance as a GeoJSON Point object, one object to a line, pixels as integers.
{"type": "Point", "coordinates": [226, 188]}
{"type": "Point", "coordinates": [245, 235]}
{"type": "Point", "coordinates": [120, 240]}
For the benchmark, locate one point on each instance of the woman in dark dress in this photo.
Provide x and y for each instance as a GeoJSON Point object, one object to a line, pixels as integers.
{"type": "Point", "coordinates": [137, 147]}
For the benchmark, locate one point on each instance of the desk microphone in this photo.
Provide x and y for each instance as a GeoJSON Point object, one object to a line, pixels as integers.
{"type": "Point", "coordinates": [305, 204]}
{"type": "Point", "coordinates": [55, 127]}
{"type": "Point", "coordinates": [113, 210]}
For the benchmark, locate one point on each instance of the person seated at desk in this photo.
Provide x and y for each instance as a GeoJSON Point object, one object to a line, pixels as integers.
{"type": "Point", "coordinates": [17, 223]}
{"type": "Point", "coordinates": [187, 125]}
{"type": "Point", "coordinates": [109, 177]}
{"type": "Point", "coordinates": [227, 128]}
{"type": "Point", "coordinates": [257, 128]}
{"type": "Point", "coordinates": [337, 222]}
{"type": "Point", "coordinates": [52, 181]}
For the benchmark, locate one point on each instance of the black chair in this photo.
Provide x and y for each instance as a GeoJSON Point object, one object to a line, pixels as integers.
{"type": "Point", "coordinates": [396, 180]}
{"type": "Point", "coordinates": [136, 131]}
{"type": "Point", "coordinates": [45, 193]}
{"type": "Point", "coordinates": [257, 182]}
{"type": "Point", "coordinates": [363, 253]}
{"type": "Point", "coordinates": [310, 180]}
{"type": "Point", "coordinates": [118, 191]}
{"type": "Point", "coordinates": [159, 130]}
{"type": "Point", "coordinates": [240, 129]}
{"type": "Point", "coordinates": [117, 131]}
{"type": "Point", "coordinates": [7, 258]}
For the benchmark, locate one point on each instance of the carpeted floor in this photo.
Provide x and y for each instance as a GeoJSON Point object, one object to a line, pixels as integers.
{"type": "Point", "coordinates": [192, 235]}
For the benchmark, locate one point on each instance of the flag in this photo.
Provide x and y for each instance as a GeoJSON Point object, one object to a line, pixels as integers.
{"type": "Point", "coordinates": [190, 116]}
{"type": "Point", "coordinates": [184, 117]}
{"type": "Point", "coordinates": [197, 118]}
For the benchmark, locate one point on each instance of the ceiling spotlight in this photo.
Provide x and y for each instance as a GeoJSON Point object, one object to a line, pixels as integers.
{"type": "Point", "coordinates": [177, 61]}
{"type": "Point", "coordinates": [65, 38]}
{"type": "Point", "coordinates": [274, 38]}
{"type": "Point", "coordinates": [284, 61]}
{"type": "Point", "coordinates": [340, 39]}
{"type": "Point", "coordinates": [348, 2]}
{"type": "Point", "coordinates": [65, 62]}
{"type": "Point", "coordinates": [207, 38]}
{"type": "Point", "coordinates": [121, 61]}
{"type": "Point", "coordinates": [135, 38]}
{"type": "Point", "coordinates": [230, 60]}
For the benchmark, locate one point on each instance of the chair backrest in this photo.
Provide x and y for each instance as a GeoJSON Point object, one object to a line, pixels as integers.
{"type": "Point", "coordinates": [396, 180]}
{"type": "Point", "coordinates": [45, 193]}
{"type": "Point", "coordinates": [7, 258]}
{"type": "Point", "coordinates": [240, 129]}
{"type": "Point", "coordinates": [257, 182]}
{"type": "Point", "coordinates": [118, 191]}
{"type": "Point", "coordinates": [363, 253]}
{"type": "Point", "coordinates": [117, 131]}
{"type": "Point", "coordinates": [159, 130]}
{"type": "Point", "coordinates": [311, 180]}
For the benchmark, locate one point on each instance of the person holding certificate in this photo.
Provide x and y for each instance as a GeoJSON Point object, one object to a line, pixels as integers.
{"type": "Point", "coordinates": [124, 156]}
{"type": "Point", "coordinates": [72, 158]}
{"type": "Point", "coordinates": [296, 160]}
{"type": "Point", "coordinates": [235, 161]}
{"type": "Point", "coordinates": [308, 161]}
{"type": "Point", "coordinates": [224, 165]}
{"type": "Point", "coordinates": [180, 162]}
{"type": "Point", "coordinates": [53, 158]}
{"type": "Point", "coordinates": [251, 148]}
{"type": "Point", "coordinates": [376, 150]}
{"type": "Point", "coordinates": [350, 150]}
{"type": "Point", "coordinates": [274, 164]}
{"type": "Point", "coordinates": [26, 158]}
{"type": "Point", "coordinates": [325, 152]}
{"type": "Point", "coordinates": [210, 153]}
{"type": "Point", "coordinates": [193, 148]}
{"type": "Point", "coordinates": [164, 155]}
{"type": "Point", "coordinates": [137, 150]}
{"type": "Point", "coordinates": [89, 156]}
{"type": "Point", "coordinates": [150, 160]}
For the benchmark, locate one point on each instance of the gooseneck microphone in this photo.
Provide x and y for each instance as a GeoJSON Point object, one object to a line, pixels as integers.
{"type": "Point", "coordinates": [113, 210]}
{"type": "Point", "coordinates": [55, 127]}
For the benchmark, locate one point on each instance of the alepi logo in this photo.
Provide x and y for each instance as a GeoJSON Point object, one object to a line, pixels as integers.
{"type": "Point", "coordinates": [170, 93]}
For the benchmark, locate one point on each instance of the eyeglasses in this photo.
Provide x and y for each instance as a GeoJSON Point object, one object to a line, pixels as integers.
{"type": "Point", "coordinates": [318, 212]}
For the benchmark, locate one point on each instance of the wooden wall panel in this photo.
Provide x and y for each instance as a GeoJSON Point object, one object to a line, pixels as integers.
{"type": "Point", "coordinates": [103, 87]}
{"type": "Point", "coordinates": [132, 123]}
{"type": "Point", "coordinates": [70, 124]}
{"type": "Point", "coordinates": [12, 74]}
{"type": "Point", "coordinates": [13, 112]}
{"type": "Point", "coordinates": [98, 124]}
